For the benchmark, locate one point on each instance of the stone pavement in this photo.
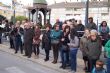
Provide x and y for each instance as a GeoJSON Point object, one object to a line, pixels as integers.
{"type": "Point", "coordinates": [5, 48]}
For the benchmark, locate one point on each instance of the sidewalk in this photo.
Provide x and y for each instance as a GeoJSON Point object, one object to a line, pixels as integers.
{"type": "Point", "coordinates": [5, 48]}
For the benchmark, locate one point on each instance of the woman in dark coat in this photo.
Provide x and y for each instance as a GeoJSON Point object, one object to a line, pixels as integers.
{"type": "Point", "coordinates": [64, 47]}
{"type": "Point", "coordinates": [46, 41]}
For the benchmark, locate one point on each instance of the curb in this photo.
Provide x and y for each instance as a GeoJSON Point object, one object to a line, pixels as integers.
{"type": "Point", "coordinates": [31, 59]}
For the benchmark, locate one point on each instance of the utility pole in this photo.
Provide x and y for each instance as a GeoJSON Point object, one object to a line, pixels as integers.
{"type": "Point", "coordinates": [14, 12]}
{"type": "Point", "coordinates": [87, 12]}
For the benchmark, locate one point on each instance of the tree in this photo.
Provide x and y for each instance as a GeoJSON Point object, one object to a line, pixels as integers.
{"type": "Point", "coordinates": [20, 18]}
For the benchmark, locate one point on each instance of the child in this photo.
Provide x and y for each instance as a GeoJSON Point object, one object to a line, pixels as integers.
{"type": "Point", "coordinates": [99, 68]}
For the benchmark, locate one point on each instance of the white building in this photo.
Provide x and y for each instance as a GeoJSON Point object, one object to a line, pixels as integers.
{"type": "Point", "coordinates": [98, 9]}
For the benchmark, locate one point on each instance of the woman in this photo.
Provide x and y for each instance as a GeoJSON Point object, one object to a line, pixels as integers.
{"type": "Point", "coordinates": [83, 48]}
{"type": "Point", "coordinates": [55, 41]}
{"type": "Point", "coordinates": [46, 41]}
{"type": "Point", "coordinates": [73, 46]}
{"type": "Point", "coordinates": [64, 47]}
{"type": "Point", "coordinates": [11, 36]}
{"type": "Point", "coordinates": [94, 48]}
{"type": "Point", "coordinates": [104, 32]}
{"type": "Point", "coordinates": [36, 40]}
{"type": "Point", "coordinates": [107, 51]}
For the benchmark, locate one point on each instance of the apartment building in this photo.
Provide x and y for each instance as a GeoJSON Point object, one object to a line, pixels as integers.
{"type": "Point", "coordinates": [98, 9]}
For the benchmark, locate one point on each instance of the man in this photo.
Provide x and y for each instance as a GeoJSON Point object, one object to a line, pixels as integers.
{"type": "Point", "coordinates": [93, 49]}
{"type": "Point", "coordinates": [91, 25]}
{"type": "Point", "coordinates": [18, 41]}
{"type": "Point", "coordinates": [80, 28]}
{"type": "Point", "coordinates": [28, 39]}
{"type": "Point", "coordinates": [59, 23]}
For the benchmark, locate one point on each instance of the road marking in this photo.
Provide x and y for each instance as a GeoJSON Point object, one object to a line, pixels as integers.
{"type": "Point", "coordinates": [14, 70]}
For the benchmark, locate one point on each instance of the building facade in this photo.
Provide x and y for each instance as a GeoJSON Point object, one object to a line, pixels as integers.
{"type": "Point", "coordinates": [98, 9]}
{"type": "Point", "coordinates": [7, 10]}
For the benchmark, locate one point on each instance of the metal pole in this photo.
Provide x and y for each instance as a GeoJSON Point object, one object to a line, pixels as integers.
{"type": "Point", "coordinates": [87, 12]}
{"type": "Point", "coordinates": [14, 14]}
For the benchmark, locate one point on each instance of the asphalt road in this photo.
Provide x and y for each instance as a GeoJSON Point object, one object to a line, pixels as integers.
{"type": "Point", "coordinates": [13, 64]}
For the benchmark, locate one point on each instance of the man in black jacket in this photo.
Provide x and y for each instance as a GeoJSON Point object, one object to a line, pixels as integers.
{"type": "Point", "coordinates": [28, 39]}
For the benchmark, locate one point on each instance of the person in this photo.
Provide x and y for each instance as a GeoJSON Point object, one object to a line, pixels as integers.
{"type": "Point", "coordinates": [83, 48]}
{"type": "Point", "coordinates": [73, 46]}
{"type": "Point", "coordinates": [36, 40]}
{"type": "Point", "coordinates": [55, 41]}
{"type": "Point", "coordinates": [46, 41]}
{"type": "Point", "coordinates": [28, 39]}
{"type": "Point", "coordinates": [91, 25]}
{"type": "Point", "coordinates": [18, 41]}
{"type": "Point", "coordinates": [6, 29]}
{"type": "Point", "coordinates": [11, 36]}
{"type": "Point", "coordinates": [64, 47]}
{"type": "Point", "coordinates": [107, 55]}
{"type": "Point", "coordinates": [94, 48]}
{"type": "Point", "coordinates": [1, 31]}
{"type": "Point", "coordinates": [99, 67]}
{"type": "Point", "coordinates": [104, 32]}
{"type": "Point", "coordinates": [80, 28]}
{"type": "Point", "coordinates": [59, 23]}
{"type": "Point", "coordinates": [22, 25]}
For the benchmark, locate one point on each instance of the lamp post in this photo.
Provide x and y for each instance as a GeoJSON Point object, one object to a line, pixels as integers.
{"type": "Point", "coordinates": [14, 12]}
{"type": "Point", "coordinates": [87, 12]}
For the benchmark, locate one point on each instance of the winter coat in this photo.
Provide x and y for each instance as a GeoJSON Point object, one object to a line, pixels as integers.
{"type": "Point", "coordinates": [36, 37]}
{"type": "Point", "coordinates": [56, 35]}
{"type": "Point", "coordinates": [91, 26]}
{"type": "Point", "coordinates": [107, 49]}
{"type": "Point", "coordinates": [83, 42]}
{"type": "Point", "coordinates": [28, 35]}
{"type": "Point", "coordinates": [104, 32]}
{"type": "Point", "coordinates": [94, 48]}
{"type": "Point", "coordinates": [66, 39]}
{"type": "Point", "coordinates": [80, 27]}
{"type": "Point", "coordinates": [46, 40]}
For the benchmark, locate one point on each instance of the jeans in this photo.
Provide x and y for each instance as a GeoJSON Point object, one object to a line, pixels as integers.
{"type": "Point", "coordinates": [18, 45]}
{"type": "Point", "coordinates": [73, 58]}
{"type": "Point", "coordinates": [108, 65]}
{"type": "Point", "coordinates": [64, 56]}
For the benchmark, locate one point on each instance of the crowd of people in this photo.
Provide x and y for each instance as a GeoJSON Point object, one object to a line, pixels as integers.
{"type": "Point", "coordinates": [64, 39]}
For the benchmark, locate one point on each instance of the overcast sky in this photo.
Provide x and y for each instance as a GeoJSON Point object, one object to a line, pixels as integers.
{"type": "Point", "coordinates": [30, 1]}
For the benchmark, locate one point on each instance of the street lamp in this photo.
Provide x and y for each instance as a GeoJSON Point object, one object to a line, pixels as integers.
{"type": "Point", "coordinates": [13, 6]}
{"type": "Point", "coordinates": [87, 12]}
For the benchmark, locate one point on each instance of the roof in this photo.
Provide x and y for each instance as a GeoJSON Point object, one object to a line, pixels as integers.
{"type": "Point", "coordinates": [79, 4]}
{"type": "Point", "coordinates": [40, 1]}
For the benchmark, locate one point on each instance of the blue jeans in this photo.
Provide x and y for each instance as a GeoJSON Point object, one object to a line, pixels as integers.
{"type": "Point", "coordinates": [73, 58]}
{"type": "Point", "coordinates": [64, 56]}
{"type": "Point", "coordinates": [108, 65]}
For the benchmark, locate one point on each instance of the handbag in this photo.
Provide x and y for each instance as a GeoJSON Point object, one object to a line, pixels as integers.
{"type": "Point", "coordinates": [55, 41]}
{"type": "Point", "coordinates": [64, 47]}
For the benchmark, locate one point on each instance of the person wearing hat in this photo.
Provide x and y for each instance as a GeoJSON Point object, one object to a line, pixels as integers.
{"type": "Point", "coordinates": [91, 25]}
